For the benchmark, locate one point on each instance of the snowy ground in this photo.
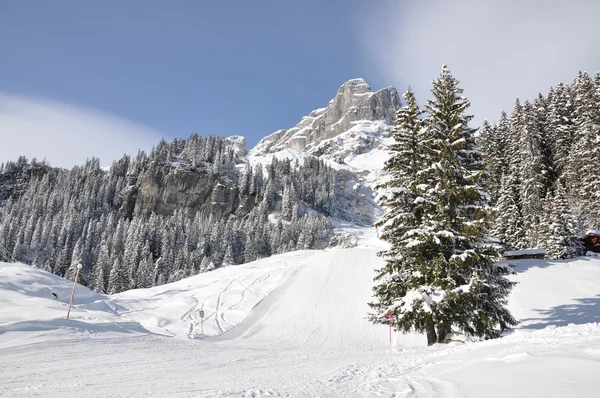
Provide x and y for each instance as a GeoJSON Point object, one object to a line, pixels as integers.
{"type": "Point", "coordinates": [290, 325]}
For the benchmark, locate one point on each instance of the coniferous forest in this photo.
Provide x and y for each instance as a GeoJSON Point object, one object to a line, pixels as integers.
{"type": "Point", "coordinates": [543, 171]}
{"type": "Point", "coordinates": [134, 224]}
{"type": "Point", "coordinates": [454, 196]}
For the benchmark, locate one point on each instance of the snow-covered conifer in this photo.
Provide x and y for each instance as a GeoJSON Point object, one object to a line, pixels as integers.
{"type": "Point", "coordinates": [439, 273]}
{"type": "Point", "coordinates": [561, 242]}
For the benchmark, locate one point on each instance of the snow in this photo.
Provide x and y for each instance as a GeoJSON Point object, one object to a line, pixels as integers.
{"type": "Point", "coordinates": [290, 325]}
{"type": "Point", "coordinates": [525, 252]}
{"type": "Point", "coordinates": [238, 144]}
{"type": "Point", "coordinates": [289, 153]}
{"type": "Point", "coordinates": [343, 146]}
{"type": "Point", "coordinates": [427, 295]}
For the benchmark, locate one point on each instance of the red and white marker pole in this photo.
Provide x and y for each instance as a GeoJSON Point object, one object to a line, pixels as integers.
{"type": "Point", "coordinates": [390, 316]}
{"type": "Point", "coordinates": [73, 292]}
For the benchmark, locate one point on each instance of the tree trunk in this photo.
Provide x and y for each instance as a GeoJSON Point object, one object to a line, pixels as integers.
{"type": "Point", "coordinates": [430, 330]}
{"type": "Point", "coordinates": [442, 332]}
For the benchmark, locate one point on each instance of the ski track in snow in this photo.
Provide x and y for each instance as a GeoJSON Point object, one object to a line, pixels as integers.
{"type": "Point", "coordinates": [290, 325]}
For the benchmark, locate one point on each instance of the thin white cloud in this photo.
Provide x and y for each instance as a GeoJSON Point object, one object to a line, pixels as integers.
{"type": "Point", "coordinates": [498, 49]}
{"type": "Point", "coordinates": [66, 135]}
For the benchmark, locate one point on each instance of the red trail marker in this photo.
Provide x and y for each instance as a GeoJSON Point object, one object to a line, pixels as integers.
{"type": "Point", "coordinates": [390, 316]}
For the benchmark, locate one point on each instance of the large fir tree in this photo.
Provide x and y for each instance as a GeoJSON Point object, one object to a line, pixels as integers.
{"type": "Point", "coordinates": [398, 199]}
{"type": "Point", "coordinates": [439, 274]}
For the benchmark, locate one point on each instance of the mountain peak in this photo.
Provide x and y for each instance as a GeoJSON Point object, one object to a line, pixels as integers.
{"type": "Point", "coordinates": [357, 84]}
{"type": "Point", "coordinates": [354, 102]}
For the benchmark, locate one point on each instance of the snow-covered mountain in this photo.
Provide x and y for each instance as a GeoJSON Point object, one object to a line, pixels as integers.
{"type": "Point", "coordinates": [289, 325]}
{"type": "Point", "coordinates": [352, 132]}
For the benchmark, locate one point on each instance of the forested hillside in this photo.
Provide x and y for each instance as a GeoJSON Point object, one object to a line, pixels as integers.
{"type": "Point", "coordinates": [187, 207]}
{"type": "Point", "coordinates": [544, 168]}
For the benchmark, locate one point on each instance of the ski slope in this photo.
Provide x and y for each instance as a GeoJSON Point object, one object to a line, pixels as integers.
{"type": "Point", "coordinates": [290, 325]}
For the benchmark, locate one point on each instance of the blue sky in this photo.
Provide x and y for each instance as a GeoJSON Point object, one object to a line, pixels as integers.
{"type": "Point", "coordinates": [95, 73]}
{"type": "Point", "coordinates": [212, 67]}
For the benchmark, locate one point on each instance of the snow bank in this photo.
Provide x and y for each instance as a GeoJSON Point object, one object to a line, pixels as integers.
{"type": "Point", "coordinates": [27, 305]}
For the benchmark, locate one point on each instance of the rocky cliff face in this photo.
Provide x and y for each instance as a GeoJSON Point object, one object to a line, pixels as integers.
{"type": "Point", "coordinates": [201, 176]}
{"type": "Point", "coordinates": [194, 191]}
{"type": "Point", "coordinates": [355, 108]}
{"type": "Point", "coordinates": [351, 133]}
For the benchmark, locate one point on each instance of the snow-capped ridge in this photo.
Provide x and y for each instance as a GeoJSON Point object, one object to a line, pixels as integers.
{"type": "Point", "coordinates": [354, 104]}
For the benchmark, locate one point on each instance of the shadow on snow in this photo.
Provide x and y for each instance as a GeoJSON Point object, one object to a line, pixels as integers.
{"type": "Point", "coordinates": [585, 310]}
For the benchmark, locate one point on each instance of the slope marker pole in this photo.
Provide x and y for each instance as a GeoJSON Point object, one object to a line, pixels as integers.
{"type": "Point", "coordinates": [73, 292]}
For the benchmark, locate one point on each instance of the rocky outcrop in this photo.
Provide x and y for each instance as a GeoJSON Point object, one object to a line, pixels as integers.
{"type": "Point", "coordinates": [353, 103]}
{"type": "Point", "coordinates": [202, 178]}
{"type": "Point", "coordinates": [195, 191]}
{"type": "Point", "coordinates": [351, 131]}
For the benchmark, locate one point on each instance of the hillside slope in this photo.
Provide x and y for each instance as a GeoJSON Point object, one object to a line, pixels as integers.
{"type": "Point", "coordinates": [290, 325]}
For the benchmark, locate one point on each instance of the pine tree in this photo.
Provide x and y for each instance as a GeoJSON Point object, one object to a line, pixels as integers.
{"type": "Point", "coordinates": [508, 224]}
{"type": "Point", "coordinates": [402, 213]}
{"type": "Point", "coordinates": [97, 283]}
{"type": "Point", "coordinates": [561, 244]}
{"type": "Point", "coordinates": [533, 175]}
{"type": "Point", "coordinates": [439, 274]}
{"type": "Point", "coordinates": [561, 126]}
{"type": "Point", "coordinates": [102, 268]}
{"type": "Point", "coordinates": [493, 139]}
{"type": "Point", "coordinates": [119, 279]}
{"type": "Point", "coordinates": [229, 258]}
{"type": "Point", "coordinates": [289, 200]}
{"type": "Point", "coordinates": [402, 216]}
{"type": "Point", "coordinates": [250, 249]}
{"type": "Point", "coordinates": [77, 257]}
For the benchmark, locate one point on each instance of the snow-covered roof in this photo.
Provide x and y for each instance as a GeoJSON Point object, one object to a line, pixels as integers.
{"type": "Point", "coordinates": [593, 232]}
{"type": "Point", "coordinates": [525, 252]}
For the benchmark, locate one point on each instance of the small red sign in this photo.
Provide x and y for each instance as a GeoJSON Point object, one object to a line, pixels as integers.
{"type": "Point", "coordinates": [390, 316]}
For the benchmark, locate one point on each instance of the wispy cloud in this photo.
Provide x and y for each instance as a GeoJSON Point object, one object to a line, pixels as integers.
{"type": "Point", "coordinates": [66, 135]}
{"type": "Point", "coordinates": [498, 49]}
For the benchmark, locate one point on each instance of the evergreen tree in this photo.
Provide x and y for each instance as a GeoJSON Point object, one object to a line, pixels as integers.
{"type": "Point", "coordinates": [533, 175]}
{"type": "Point", "coordinates": [229, 258]}
{"type": "Point", "coordinates": [561, 244]}
{"type": "Point", "coordinates": [438, 273]}
{"type": "Point", "coordinates": [508, 225]}
{"type": "Point", "coordinates": [119, 279]}
{"type": "Point", "coordinates": [289, 199]}
{"type": "Point", "coordinates": [98, 277]}
{"type": "Point", "coordinates": [250, 249]}
{"type": "Point", "coordinates": [561, 126]}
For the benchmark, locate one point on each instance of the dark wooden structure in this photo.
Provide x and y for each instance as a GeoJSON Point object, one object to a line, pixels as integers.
{"type": "Point", "coordinates": [591, 241]}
